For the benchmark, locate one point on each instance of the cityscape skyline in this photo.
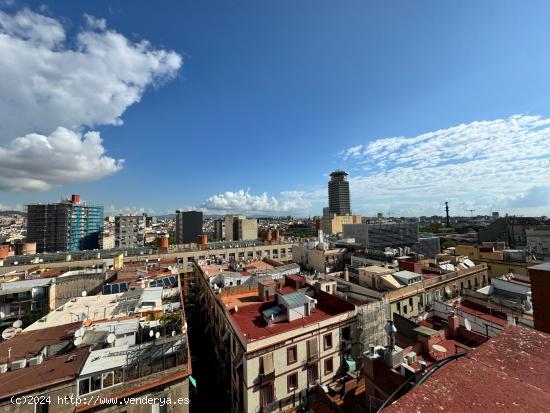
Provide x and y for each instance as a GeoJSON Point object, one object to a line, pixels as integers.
{"type": "Point", "coordinates": [412, 133]}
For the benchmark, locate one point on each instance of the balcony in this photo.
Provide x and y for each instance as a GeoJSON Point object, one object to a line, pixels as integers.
{"type": "Point", "coordinates": [266, 378]}
{"type": "Point", "coordinates": [312, 358]}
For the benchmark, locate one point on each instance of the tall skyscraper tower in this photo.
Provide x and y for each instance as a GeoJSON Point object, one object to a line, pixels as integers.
{"type": "Point", "coordinates": [338, 194]}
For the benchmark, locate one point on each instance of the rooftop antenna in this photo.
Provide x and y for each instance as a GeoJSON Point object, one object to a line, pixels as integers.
{"type": "Point", "coordinates": [447, 219]}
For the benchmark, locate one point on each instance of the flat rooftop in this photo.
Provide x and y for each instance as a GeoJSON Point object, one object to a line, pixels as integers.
{"type": "Point", "coordinates": [250, 321]}
{"type": "Point", "coordinates": [95, 307]}
{"type": "Point", "coordinates": [545, 266]}
{"type": "Point", "coordinates": [508, 373]}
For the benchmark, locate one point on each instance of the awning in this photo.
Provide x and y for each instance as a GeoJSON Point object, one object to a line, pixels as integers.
{"type": "Point", "coordinates": [351, 364]}
{"type": "Point", "coordinates": [268, 363]}
{"type": "Point", "coordinates": [193, 381]}
{"type": "Point", "coordinates": [312, 348]}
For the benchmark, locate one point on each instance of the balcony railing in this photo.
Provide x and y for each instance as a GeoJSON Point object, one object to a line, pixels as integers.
{"type": "Point", "coordinates": [267, 378]}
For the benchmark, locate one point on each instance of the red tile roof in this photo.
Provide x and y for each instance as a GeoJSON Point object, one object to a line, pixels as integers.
{"type": "Point", "coordinates": [509, 373]}
{"type": "Point", "coordinates": [252, 325]}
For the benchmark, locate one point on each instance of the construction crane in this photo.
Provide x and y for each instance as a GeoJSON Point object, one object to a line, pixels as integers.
{"type": "Point", "coordinates": [471, 212]}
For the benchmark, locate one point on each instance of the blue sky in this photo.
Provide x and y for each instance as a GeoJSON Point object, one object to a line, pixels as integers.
{"type": "Point", "coordinates": [248, 105]}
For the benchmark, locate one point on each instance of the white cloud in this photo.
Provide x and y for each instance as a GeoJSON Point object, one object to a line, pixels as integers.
{"type": "Point", "coordinates": [242, 201]}
{"type": "Point", "coordinates": [48, 82]}
{"type": "Point", "coordinates": [481, 165]}
{"type": "Point", "coordinates": [36, 162]}
{"type": "Point", "coordinates": [95, 23]}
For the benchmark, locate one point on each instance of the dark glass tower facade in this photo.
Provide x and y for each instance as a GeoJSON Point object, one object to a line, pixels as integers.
{"type": "Point", "coordinates": [338, 194]}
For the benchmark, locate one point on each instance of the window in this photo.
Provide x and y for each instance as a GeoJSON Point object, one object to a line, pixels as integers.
{"type": "Point", "coordinates": [84, 386]}
{"type": "Point", "coordinates": [291, 355]}
{"type": "Point", "coordinates": [410, 302]}
{"type": "Point", "coordinates": [96, 382]}
{"type": "Point", "coordinates": [267, 394]}
{"type": "Point", "coordinates": [118, 376]}
{"type": "Point", "coordinates": [329, 366]}
{"type": "Point", "coordinates": [327, 340]}
{"type": "Point", "coordinates": [159, 406]}
{"type": "Point", "coordinates": [292, 382]}
{"type": "Point", "coordinates": [108, 379]}
{"type": "Point", "coordinates": [41, 404]}
{"type": "Point", "coordinates": [398, 307]}
{"type": "Point", "coordinates": [346, 333]}
{"type": "Point", "coordinates": [313, 374]}
{"type": "Point", "coordinates": [405, 309]}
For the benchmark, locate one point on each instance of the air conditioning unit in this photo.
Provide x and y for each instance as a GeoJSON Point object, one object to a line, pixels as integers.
{"type": "Point", "coordinates": [3, 368]}
{"type": "Point", "coordinates": [18, 364]}
{"type": "Point", "coordinates": [411, 358]}
{"type": "Point", "coordinates": [36, 360]}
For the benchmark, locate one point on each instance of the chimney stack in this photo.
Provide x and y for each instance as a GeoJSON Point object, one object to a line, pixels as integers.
{"type": "Point", "coordinates": [454, 323]}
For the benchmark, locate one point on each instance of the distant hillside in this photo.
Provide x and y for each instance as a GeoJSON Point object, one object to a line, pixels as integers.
{"type": "Point", "coordinates": [8, 212]}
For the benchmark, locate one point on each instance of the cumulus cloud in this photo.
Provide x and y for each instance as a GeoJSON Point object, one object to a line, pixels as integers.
{"type": "Point", "coordinates": [242, 201]}
{"type": "Point", "coordinates": [481, 165]}
{"type": "Point", "coordinates": [63, 156]}
{"type": "Point", "coordinates": [48, 82]}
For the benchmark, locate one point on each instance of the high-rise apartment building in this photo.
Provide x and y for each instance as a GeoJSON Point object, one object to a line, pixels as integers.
{"type": "Point", "coordinates": [338, 194]}
{"type": "Point", "coordinates": [219, 229]}
{"type": "Point", "coordinates": [68, 225]}
{"type": "Point", "coordinates": [240, 228]}
{"type": "Point", "coordinates": [130, 231]}
{"type": "Point", "coordinates": [188, 226]}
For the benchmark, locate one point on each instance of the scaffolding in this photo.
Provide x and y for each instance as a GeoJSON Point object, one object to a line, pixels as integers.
{"type": "Point", "coordinates": [369, 328]}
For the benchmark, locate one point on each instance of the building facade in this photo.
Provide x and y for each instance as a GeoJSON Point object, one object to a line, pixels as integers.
{"type": "Point", "coordinates": [68, 225]}
{"type": "Point", "coordinates": [538, 241]}
{"type": "Point", "coordinates": [188, 226]}
{"type": "Point", "coordinates": [381, 235]}
{"type": "Point", "coordinates": [540, 290]}
{"type": "Point", "coordinates": [219, 229]}
{"type": "Point", "coordinates": [338, 194]}
{"type": "Point", "coordinates": [268, 368]}
{"type": "Point", "coordinates": [240, 228]}
{"type": "Point", "coordinates": [129, 231]}
{"type": "Point", "coordinates": [333, 224]}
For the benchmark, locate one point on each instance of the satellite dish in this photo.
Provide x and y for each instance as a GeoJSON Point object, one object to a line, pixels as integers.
{"type": "Point", "coordinates": [17, 323]}
{"type": "Point", "coordinates": [78, 341]}
{"type": "Point", "coordinates": [84, 293]}
{"type": "Point", "coordinates": [467, 324]}
{"type": "Point", "coordinates": [111, 338]}
{"type": "Point", "coordinates": [157, 335]}
{"type": "Point", "coordinates": [18, 331]}
{"type": "Point", "coordinates": [79, 332]}
{"type": "Point", "coordinates": [151, 333]}
{"type": "Point", "coordinates": [8, 333]}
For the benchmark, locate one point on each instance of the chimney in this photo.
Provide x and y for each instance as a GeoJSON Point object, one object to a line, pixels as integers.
{"type": "Point", "coordinates": [75, 199]}
{"type": "Point", "coordinates": [454, 323]}
{"type": "Point", "coordinates": [346, 274]}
